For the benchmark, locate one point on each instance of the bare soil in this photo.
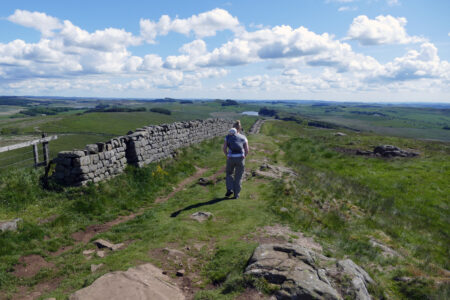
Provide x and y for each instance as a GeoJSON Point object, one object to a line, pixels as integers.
{"type": "Point", "coordinates": [30, 265]}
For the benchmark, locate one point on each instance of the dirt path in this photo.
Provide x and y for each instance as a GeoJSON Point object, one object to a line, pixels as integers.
{"type": "Point", "coordinates": [182, 184]}
{"type": "Point", "coordinates": [84, 236]}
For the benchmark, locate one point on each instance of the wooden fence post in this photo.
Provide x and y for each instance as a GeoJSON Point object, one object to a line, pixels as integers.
{"type": "Point", "coordinates": [45, 151]}
{"type": "Point", "coordinates": [35, 155]}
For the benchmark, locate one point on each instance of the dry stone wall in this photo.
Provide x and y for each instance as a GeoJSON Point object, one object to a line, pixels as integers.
{"type": "Point", "coordinates": [101, 161]}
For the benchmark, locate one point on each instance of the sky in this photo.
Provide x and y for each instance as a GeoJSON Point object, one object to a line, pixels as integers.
{"type": "Point", "coordinates": [339, 50]}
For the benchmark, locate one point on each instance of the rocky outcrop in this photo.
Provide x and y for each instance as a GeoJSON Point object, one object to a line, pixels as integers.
{"type": "Point", "coordinates": [303, 273]}
{"type": "Point", "coordinates": [101, 161]}
{"type": "Point", "coordinates": [387, 151]}
{"type": "Point", "coordinates": [271, 171]}
{"type": "Point", "coordinates": [139, 283]}
{"type": "Point", "coordinates": [392, 151]}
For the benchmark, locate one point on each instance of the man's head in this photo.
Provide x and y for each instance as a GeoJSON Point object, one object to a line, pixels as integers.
{"type": "Point", "coordinates": [232, 131]}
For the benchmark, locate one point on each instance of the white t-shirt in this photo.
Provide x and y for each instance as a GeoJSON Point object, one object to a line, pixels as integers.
{"type": "Point", "coordinates": [239, 154]}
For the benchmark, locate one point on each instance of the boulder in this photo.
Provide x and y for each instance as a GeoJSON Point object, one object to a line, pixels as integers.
{"type": "Point", "coordinates": [9, 225]}
{"type": "Point", "coordinates": [359, 278]}
{"type": "Point", "coordinates": [101, 243]}
{"type": "Point", "coordinates": [293, 268]}
{"type": "Point", "coordinates": [392, 151]}
{"type": "Point", "coordinates": [302, 273]}
{"type": "Point", "coordinates": [139, 283]}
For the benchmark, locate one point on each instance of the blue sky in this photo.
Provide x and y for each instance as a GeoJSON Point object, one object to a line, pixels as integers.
{"type": "Point", "coordinates": [357, 50]}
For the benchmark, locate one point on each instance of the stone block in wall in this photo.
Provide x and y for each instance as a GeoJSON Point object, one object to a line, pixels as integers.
{"type": "Point", "coordinates": [92, 148]}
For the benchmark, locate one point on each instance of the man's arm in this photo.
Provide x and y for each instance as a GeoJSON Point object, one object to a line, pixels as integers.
{"type": "Point", "coordinates": [246, 149]}
{"type": "Point", "coordinates": [224, 148]}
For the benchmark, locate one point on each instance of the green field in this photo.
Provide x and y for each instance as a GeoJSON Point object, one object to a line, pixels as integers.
{"type": "Point", "coordinates": [342, 200]}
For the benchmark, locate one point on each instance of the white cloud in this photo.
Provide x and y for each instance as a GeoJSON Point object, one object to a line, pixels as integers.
{"type": "Point", "coordinates": [109, 39]}
{"type": "Point", "coordinates": [298, 59]}
{"type": "Point", "coordinates": [381, 30]}
{"type": "Point", "coordinates": [347, 8]}
{"type": "Point", "coordinates": [40, 21]}
{"type": "Point", "coordinates": [202, 25]}
{"type": "Point", "coordinates": [415, 65]}
{"type": "Point", "coordinates": [393, 2]}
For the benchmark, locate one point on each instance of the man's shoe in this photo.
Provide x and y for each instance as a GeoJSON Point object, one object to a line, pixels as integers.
{"type": "Point", "coordinates": [236, 196]}
{"type": "Point", "coordinates": [228, 194]}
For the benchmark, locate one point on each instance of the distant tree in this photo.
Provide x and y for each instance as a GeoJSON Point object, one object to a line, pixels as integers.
{"type": "Point", "coordinates": [264, 111]}
{"type": "Point", "coordinates": [161, 110]}
{"type": "Point", "coordinates": [186, 102]}
{"type": "Point", "coordinates": [229, 102]}
{"type": "Point", "coordinates": [107, 108]}
{"type": "Point", "coordinates": [43, 110]}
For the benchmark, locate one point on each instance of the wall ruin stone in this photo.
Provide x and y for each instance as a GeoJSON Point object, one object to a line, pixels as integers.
{"type": "Point", "coordinates": [101, 161]}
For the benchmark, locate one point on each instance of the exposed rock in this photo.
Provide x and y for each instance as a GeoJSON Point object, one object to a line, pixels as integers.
{"type": "Point", "coordinates": [205, 181]}
{"type": "Point", "coordinates": [10, 225]}
{"type": "Point", "coordinates": [139, 283]}
{"type": "Point", "coordinates": [173, 252]}
{"type": "Point", "coordinates": [101, 254]}
{"type": "Point", "coordinates": [293, 268]}
{"type": "Point", "coordinates": [96, 267]}
{"type": "Point", "coordinates": [393, 151]}
{"type": "Point", "coordinates": [340, 134]}
{"type": "Point", "coordinates": [284, 210]}
{"type": "Point", "coordinates": [201, 216]}
{"type": "Point", "coordinates": [88, 252]}
{"type": "Point", "coordinates": [101, 243]}
{"type": "Point", "coordinates": [296, 238]}
{"type": "Point", "coordinates": [303, 273]}
{"type": "Point", "coordinates": [386, 251]}
{"type": "Point", "coordinates": [180, 273]}
{"type": "Point", "coordinates": [363, 152]}
{"type": "Point", "coordinates": [271, 171]}
{"type": "Point", "coordinates": [359, 278]}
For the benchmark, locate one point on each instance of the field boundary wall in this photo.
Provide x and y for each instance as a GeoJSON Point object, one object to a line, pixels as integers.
{"type": "Point", "coordinates": [101, 161]}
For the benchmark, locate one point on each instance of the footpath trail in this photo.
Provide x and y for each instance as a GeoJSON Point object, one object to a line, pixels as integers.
{"type": "Point", "coordinates": [183, 250]}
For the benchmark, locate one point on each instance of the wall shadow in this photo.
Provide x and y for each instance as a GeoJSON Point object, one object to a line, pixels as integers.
{"type": "Point", "coordinates": [200, 204]}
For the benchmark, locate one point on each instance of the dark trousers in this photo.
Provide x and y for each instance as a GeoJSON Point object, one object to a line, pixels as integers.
{"type": "Point", "coordinates": [235, 170]}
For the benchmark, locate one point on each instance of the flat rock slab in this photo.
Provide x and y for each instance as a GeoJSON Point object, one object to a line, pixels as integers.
{"type": "Point", "coordinates": [292, 267]}
{"type": "Point", "coordinates": [201, 216]}
{"type": "Point", "coordinates": [302, 273]}
{"type": "Point", "coordinates": [140, 283]}
{"type": "Point", "coordinates": [100, 243]}
{"type": "Point", "coordinates": [9, 225]}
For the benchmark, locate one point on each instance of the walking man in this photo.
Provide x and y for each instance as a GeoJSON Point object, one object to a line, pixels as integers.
{"type": "Point", "coordinates": [236, 149]}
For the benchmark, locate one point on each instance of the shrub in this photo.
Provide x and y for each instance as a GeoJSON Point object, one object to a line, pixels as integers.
{"type": "Point", "coordinates": [267, 112]}
{"type": "Point", "coordinates": [229, 102]}
{"type": "Point", "coordinates": [161, 110]}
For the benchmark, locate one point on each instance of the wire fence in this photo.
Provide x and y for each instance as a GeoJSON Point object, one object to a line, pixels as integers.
{"type": "Point", "coordinates": [20, 159]}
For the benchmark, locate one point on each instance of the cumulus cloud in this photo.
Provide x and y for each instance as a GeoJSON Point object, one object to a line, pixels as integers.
{"type": "Point", "coordinates": [109, 39]}
{"type": "Point", "coordinates": [67, 50]}
{"type": "Point", "coordinates": [415, 65]}
{"type": "Point", "coordinates": [37, 20]}
{"type": "Point", "coordinates": [381, 30]}
{"type": "Point", "coordinates": [302, 60]}
{"type": "Point", "coordinates": [202, 25]}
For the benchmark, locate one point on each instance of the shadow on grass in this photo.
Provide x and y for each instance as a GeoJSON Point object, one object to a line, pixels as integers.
{"type": "Point", "coordinates": [210, 202]}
